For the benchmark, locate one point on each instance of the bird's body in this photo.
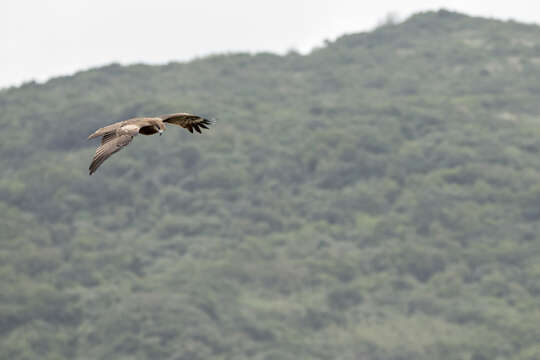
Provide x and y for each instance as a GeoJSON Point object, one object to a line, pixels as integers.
{"type": "Point", "coordinates": [118, 135]}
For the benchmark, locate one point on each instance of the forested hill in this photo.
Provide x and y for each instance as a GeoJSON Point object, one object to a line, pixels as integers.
{"type": "Point", "coordinates": [378, 198]}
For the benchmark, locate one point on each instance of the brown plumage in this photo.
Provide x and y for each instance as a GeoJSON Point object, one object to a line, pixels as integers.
{"type": "Point", "coordinates": [118, 135]}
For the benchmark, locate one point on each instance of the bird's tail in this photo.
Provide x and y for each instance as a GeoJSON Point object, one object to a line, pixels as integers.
{"type": "Point", "coordinates": [94, 135]}
{"type": "Point", "coordinates": [102, 131]}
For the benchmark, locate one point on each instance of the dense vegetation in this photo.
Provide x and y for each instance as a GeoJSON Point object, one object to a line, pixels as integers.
{"type": "Point", "coordinates": [376, 199]}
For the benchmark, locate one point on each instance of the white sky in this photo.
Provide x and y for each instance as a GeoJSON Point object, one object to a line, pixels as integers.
{"type": "Point", "coordinates": [44, 38]}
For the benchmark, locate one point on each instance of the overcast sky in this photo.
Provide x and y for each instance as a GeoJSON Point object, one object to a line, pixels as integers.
{"type": "Point", "coordinates": [44, 38]}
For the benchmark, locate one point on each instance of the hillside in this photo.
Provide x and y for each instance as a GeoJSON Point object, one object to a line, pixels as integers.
{"type": "Point", "coordinates": [378, 198]}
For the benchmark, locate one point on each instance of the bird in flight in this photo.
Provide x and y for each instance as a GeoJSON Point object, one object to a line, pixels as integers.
{"type": "Point", "coordinates": [116, 136]}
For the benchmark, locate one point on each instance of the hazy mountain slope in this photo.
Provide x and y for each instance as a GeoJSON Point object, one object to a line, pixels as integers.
{"type": "Point", "coordinates": [377, 198]}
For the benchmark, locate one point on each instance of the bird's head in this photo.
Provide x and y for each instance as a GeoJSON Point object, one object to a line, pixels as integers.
{"type": "Point", "coordinates": [160, 127]}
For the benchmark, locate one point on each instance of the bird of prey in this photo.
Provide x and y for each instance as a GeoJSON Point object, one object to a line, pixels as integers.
{"type": "Point", "coordinates": [118, 135]}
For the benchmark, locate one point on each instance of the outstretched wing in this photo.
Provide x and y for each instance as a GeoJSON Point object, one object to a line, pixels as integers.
{"type": "Point", "coordinates": [187, 121]}
{"type": "Point", "coordinates": [107, 148]}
